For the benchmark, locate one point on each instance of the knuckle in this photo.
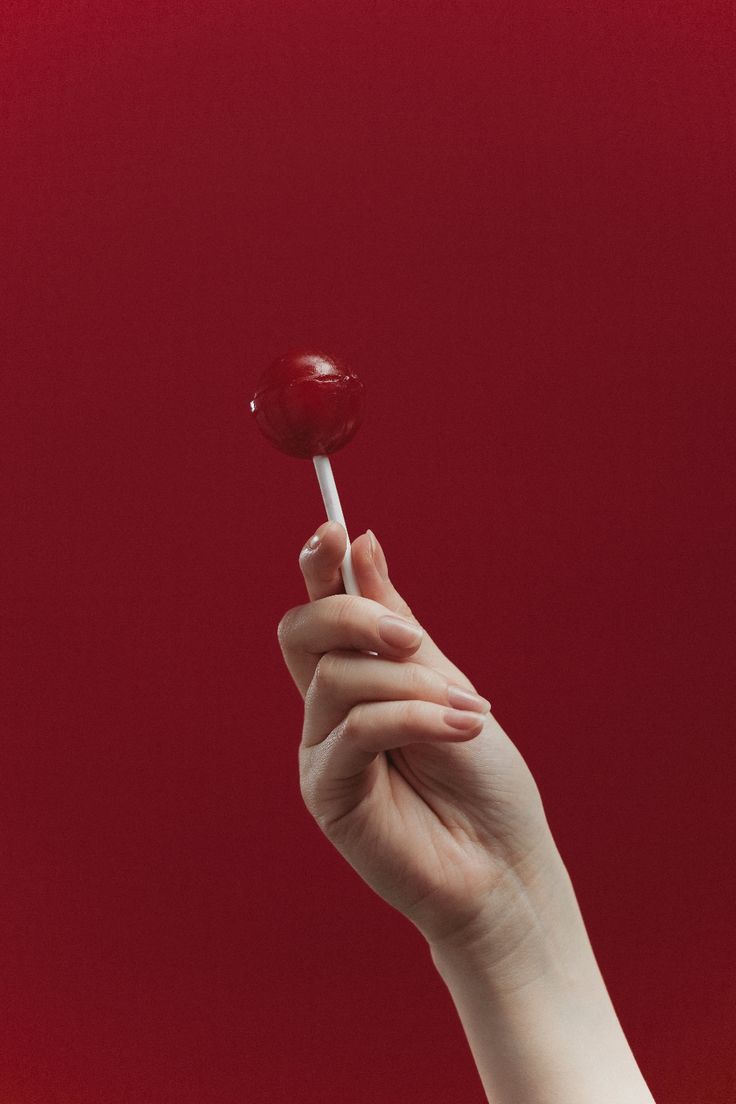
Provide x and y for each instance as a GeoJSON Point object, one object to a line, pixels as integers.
{"type": "Point", "coordinates": [346, 611]}
{"type": "Point", "coordinates": [421, 682]}
{"type": "Point", "coordinates": [306, 790]}
{"type": "Point", "coordinates": [411, 716]}
{"type": "Point", "coordinates": [326, 678]}
{"type": "Point", "coordinates": [351, 724]}
{"type": "Point", "coordinates": [314, 779]}
{"type": "Point", "coordinates": [293, 627]}
{"type": "Point", "coordinates": [284, 628]}
{"type": "Point", "coordinates": [309, 788]}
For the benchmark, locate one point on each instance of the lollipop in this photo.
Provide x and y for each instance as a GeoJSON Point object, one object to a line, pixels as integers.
{"type": "Point", "coordinates": [309, 405]}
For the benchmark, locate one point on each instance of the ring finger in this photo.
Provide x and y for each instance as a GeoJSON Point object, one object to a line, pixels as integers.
{"type": "Point", "coordinates": [343, 679]}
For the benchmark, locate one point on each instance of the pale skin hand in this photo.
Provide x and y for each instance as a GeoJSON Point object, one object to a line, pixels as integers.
{"type": "Point", "coordinates": [433, 817]}
{"type": "Point", "coordinates": [446, 823]}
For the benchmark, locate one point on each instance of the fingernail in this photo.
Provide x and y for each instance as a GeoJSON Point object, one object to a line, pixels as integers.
{"type": "Point", "coordinates": [313, 542]}
{"type": "Point", "coordinates": [462, 721]}
{"type": "Point", "coordinates": [377, 554]}
{"type": "Point", "coordinates": [464, 699]}
{"type": "Point", "coordinates": [399, 633]}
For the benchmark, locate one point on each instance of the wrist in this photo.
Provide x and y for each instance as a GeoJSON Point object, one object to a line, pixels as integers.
{"type": "Point", "coordinates": [532, 1001]}
{"type": "Point", "coordinates": [530, 929]}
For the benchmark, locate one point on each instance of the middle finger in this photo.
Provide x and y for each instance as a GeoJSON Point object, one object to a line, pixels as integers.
{"type": "Point", "coordinates": [342, 621]}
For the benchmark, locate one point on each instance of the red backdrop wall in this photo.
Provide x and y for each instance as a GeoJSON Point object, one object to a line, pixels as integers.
{"type": "Point", "coordinates": [515, 221]}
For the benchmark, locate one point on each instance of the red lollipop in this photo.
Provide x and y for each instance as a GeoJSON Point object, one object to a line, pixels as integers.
{"type": "Point", "coordinates": [308, 404]}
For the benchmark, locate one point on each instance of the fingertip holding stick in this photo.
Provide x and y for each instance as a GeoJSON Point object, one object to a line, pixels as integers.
{"type": "Point", "coordinates": [331, 499]}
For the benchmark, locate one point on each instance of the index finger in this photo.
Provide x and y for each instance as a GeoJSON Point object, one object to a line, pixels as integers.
{"type": "Point", "coordinates": [320, 560]}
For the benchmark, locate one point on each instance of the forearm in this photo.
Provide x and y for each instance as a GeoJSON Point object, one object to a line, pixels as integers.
{"type": "Point", "coordinates": [537, 1015]}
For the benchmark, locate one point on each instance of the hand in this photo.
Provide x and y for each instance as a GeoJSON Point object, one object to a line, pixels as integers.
{"type": "Point", "coordinates": [433, 806]}
{"type": "Point", "coordinates": [446, 823]}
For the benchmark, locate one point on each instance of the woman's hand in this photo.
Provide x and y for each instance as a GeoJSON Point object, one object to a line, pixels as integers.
{"type": "Point", "coordinates": [438, 812]}
{"type": "Point", "coordinates": [401, 763]}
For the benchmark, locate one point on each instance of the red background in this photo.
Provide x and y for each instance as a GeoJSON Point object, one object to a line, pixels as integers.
{"type": "Point", "coordinates": [516, 222]}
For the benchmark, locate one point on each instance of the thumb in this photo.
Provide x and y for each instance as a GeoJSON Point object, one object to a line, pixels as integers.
{"type": "Point", "coordinates": [371, 573]}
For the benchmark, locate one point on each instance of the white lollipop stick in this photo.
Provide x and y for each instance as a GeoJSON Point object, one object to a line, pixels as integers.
{"type": "Point", "coordinates": [334, 512]}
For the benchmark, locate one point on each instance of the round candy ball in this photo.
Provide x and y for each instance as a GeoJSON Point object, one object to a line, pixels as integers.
{"type": "Point", "coordinates": [308, 404]}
